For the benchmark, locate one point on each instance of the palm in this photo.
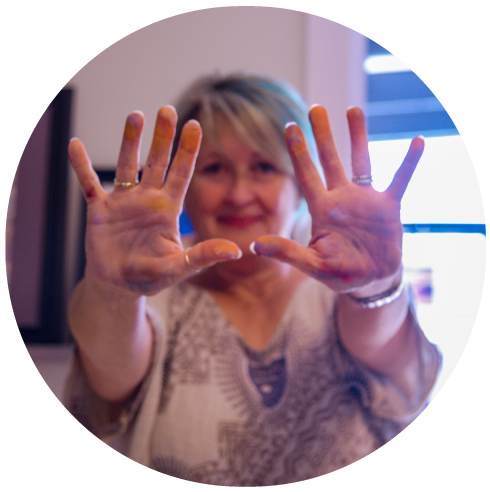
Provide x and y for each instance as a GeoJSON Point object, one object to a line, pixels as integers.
{"type": "Point", "coordinates": [132, 238]}
{"type": "Point", "coordinates": [129, 229]}
{"type": "Point", "coordinates": [356, 230]}
{"type": "Point", "coordinates": [358, 237]}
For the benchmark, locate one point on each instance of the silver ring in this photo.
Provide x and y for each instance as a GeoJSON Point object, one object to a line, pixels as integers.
{"type": "Point", "coordinates": [188, 261]}
{"type": "Point", "coordinates": [362, 179]}
{"type": "Point", "coordinates": [125, 184]}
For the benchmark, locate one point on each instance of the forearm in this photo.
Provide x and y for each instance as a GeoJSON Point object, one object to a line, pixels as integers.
{"type": "Point", "coordinates": [381, 338]}
{"type": "Point", "coordinates": [113, 336]}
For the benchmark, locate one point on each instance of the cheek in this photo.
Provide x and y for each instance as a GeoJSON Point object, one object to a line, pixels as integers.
{"type": "Point", "coordinates": [202, 197]}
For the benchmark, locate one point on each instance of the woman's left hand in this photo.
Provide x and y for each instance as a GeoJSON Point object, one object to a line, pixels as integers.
{"type": "Point", "coordinates": [356, 243]}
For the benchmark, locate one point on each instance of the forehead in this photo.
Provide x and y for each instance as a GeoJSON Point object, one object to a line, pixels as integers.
{"type": "Point", "coordinates": [226, 138]}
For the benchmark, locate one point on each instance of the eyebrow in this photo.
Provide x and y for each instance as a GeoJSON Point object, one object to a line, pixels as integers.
{"type": "Point", "coordinates": [212, 155]}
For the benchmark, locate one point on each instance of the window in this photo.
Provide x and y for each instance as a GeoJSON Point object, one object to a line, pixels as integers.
{"type": "Point", "coordinates": [400, 105]}
{"type": "Point", "coordinates": [442, 210]}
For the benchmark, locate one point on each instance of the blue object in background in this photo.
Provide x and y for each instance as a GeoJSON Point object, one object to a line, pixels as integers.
{"type": "Point", "coordinates": [185, 225]}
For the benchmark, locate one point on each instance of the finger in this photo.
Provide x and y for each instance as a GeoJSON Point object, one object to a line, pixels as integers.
{"type": "Point", "coordinates": [180, 172]}
{"type": "Point", "coordinates": [329, 157]}
{"type": "Point", "coordinates": [402, 177]}
{"type": "Point", "coordinates": [361, 164]}
{"type": "Point", "coordinates": [207, 253]}
{"type": "Point", "coordinates": [285, 250]}
{"type": "Point", "coordinates": [309, 180]}
{"type": "Point", "coordinates": [145, 272]}
{"type": "Point", "coordinates": [161, 146]}
{"type": "Point", "coordinates": [128, 161]}
{"type": "Point", "coordinates": [87, 177]}
{"type": "Point", "coordinates": [307, 260]}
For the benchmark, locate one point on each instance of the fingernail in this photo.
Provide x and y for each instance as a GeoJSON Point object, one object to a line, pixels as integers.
{"type": "Point", "coordinates": [239, 254]}
{"type": "Point", "coordinates": [252, 248]}
{"type": "Point", "coordinates": [357, 109]}
{"type": "Point", "coordinates": [290, 123]}
{"type": "Point", "coordinates": [314, 106]}
{"type": "Point", "coordinates": [73, 138]}
{"type": "Point", "coordinates": [194, 122]}
{"type": "Point", "coordinates": [168, 112]}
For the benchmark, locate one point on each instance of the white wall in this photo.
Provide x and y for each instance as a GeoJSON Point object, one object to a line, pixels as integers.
{"type": "Point", "coordinates": [149, 68]}
{"type": "Point", "coordinates": [334, 75]}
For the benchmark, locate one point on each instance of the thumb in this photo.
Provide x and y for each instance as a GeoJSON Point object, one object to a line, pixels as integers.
{"type": "Point", "coordinates": [207, 253]}
{"type": "Point", "coordinates": [285, 250]}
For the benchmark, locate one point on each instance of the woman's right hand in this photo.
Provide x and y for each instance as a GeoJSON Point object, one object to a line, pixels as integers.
{"type": "Point", "coordinates": [132, 238]}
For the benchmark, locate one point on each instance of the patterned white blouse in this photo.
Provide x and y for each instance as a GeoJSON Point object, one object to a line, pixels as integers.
{"type": "Point", "coordinates": [215, 411]}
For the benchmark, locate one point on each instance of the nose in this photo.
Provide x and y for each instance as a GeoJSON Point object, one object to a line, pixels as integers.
{"type": "Point", "coordinates": [240, 192]}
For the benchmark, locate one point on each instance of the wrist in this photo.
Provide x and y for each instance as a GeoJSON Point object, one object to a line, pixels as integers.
{"type": "Point", "coordinates": [107, 290]}
{"type": "Point", "coordinates": [378, 286]}
{"type": "Point", "coordinates": [379, 293]}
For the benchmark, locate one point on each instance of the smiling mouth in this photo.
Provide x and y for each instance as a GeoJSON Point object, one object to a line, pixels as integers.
{"type": "Point", "coordinates": [238, 222]}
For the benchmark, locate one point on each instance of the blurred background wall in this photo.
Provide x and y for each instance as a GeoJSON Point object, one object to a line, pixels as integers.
{"type": "Point", "coordinates": [150, 67]}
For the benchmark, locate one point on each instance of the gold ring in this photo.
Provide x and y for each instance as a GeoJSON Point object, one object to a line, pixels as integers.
{"type": "Point", "coordinates": [125, 184]}
{"type": "Point", "coordinates": [188, 261]}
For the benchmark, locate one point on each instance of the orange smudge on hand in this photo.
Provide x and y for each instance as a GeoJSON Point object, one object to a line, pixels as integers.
{"type": "Point", "coordinates": [295, 141]}
{"type": "Point", "coordinates": [226, 247]}
{"type": "Point", "coordinates": [133, 126]}
{"type": "Point", "coordinates": [169, 114]}
{"type": "Point", "coordinates": [191, 137]}
{"type": "Point", "coordinates": [157, 204]}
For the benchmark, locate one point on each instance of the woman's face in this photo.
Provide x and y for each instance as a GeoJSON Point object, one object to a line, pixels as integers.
{"type": "Point", "coordinates": [239, 194]}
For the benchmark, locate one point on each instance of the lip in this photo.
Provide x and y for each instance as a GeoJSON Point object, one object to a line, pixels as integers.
{"type": "Point", "coordinates": [239, 221]}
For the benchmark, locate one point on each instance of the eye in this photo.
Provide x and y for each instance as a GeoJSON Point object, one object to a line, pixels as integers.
{"type": "Point", "coordinates": [264, 167]}
{"type": "Point", "coordinates": [212, 169]}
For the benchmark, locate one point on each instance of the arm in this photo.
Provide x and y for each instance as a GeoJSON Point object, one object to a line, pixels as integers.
{"type": "Point", "coordinates": [356, 245]}
{"type": "Point", "coordinates": [113, 336]}
{"type": "Point", "coordinates": [381, 338]}
{"type": "Point", "coordinates": [133, 249]}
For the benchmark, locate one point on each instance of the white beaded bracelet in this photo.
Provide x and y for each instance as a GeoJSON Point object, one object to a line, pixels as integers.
{"type": "Point", "coordinates": [381, 299]}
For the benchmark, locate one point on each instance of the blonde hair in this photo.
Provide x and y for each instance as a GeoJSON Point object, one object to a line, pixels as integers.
{"type": "Point", "coordinates": [257, 107]}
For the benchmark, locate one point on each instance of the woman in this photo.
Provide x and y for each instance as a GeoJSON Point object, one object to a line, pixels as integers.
{"type": "Point", "coordinates": [245, 357]}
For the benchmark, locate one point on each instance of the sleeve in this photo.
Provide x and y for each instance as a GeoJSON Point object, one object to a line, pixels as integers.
{"type": "Point", "coordinates": [388, 401]}
{"type": "Point", "coordinates": [385, 406]}
{"type": "Point", "coordinates": [107, 420]}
